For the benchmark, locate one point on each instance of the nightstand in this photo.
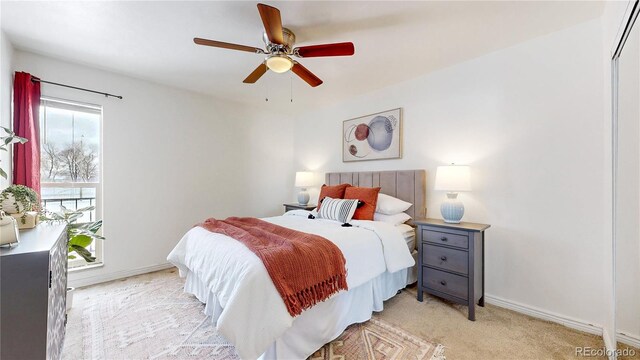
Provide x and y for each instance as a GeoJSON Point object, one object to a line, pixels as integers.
{"type": "Point", "coordinates": [451, 261]}
{"type": "Point", "coordinates": [296, 206]}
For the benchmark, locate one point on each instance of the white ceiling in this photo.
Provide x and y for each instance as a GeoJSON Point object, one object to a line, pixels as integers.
{"type": "Point", "coordinates": [394, 41]}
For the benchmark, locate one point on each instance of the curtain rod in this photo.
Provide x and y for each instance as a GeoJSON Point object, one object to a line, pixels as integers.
{"type": "Point", "coordinates": [35, 79]}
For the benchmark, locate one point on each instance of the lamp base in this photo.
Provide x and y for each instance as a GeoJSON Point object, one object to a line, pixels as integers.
{"type": "Point", "coordinates": [303, 197]}
{"type": "Point", "coordinates": [452, 209]}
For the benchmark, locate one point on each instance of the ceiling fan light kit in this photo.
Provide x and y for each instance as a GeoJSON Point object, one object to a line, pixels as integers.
{"type": "Point", "coordinates": [279, 49]}
{"type": "Point", "coordinates": [279, 63]}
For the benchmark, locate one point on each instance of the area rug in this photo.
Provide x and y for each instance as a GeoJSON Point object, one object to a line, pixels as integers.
{"type": "Point", "coordinates": [149, 317]}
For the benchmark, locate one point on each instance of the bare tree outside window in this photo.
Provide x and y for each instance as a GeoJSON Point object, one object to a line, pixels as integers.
{"type": "Point", "coordinates": [75, 162]}
{"type": "Point", "coordinates": [50, 162]}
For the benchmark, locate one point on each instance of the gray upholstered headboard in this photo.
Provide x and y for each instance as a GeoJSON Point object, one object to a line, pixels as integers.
{"type": "Point", "coordinates": [407, 185]}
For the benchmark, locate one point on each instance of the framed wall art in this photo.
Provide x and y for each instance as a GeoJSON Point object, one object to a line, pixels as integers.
{"type": "Point", "coordinates": [373, 137]}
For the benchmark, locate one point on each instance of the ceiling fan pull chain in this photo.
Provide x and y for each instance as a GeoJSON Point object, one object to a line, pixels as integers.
{"type": "Point", "coordinates": [291, 86]}
{"type": "Point", "coordinates": [266, 91]}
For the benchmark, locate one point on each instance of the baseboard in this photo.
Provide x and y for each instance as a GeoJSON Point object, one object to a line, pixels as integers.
{"type": "Point", "coordinates": [628, 339]}
{"type": "Point", "coordinates": [97, 279]}
{"type": "Point", "coordinates": [544, 315]}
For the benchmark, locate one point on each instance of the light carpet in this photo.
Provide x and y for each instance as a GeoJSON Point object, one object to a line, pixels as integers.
{"type": "Point", "coordinates": [150, 317]}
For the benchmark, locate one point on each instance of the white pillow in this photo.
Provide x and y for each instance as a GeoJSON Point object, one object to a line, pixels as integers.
{"type": "Point", "coordinates": [341, 210]}
{"type": "Point", "coordinates": [395, 220]}
{"type": "Point", "coordinates": [388, 205]}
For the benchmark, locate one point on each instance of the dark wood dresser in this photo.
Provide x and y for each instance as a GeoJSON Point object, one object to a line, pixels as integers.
{"type": "Point", "coordinates": [451, 261]}
{"type": "Point", "coordinates": [33, 294]}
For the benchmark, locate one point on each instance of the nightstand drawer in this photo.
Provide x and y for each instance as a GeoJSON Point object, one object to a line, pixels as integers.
{"type": "Point", "coordinates": [445, 282]}
{"type": "Point", "coordinates": [445, 258]}
{"type": "Point", "coordinates": [445, 238]}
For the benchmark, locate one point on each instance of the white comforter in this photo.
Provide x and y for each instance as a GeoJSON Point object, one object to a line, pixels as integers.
{"type": "Point", "coordinates": [253, 314]}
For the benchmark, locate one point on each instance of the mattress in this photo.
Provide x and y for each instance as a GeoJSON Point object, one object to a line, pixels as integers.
{"type": "Point", "coordinates": [409, 234]}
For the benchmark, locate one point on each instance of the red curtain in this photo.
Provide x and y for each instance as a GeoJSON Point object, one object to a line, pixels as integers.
{"type": "Point", "coordinates": [26, 112]}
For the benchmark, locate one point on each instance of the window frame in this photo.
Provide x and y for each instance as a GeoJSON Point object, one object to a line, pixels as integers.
{"type": "Point", "coordinates": [78, 262]}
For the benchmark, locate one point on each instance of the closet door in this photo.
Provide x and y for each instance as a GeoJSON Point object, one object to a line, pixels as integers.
{"type": "Point", "coordinates": [627, 193]}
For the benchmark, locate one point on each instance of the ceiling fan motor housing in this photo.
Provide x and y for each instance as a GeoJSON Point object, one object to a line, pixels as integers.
{"type": "Point", "coordinates": [289, 38]}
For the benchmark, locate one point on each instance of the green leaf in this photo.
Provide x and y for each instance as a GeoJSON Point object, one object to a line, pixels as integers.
{"type": "Point", "coordinates": [94, 226]}
{"type": "Point", "coordinates": [80, 240]}
{"type": "Point", "coordinates": [71, 257]}
{"type": "Point", "coordinates": [3, 174]}
{"type": "Point", "coordinates": [74, 217]}
{"type": "Point", "coordinates": [84, 253]}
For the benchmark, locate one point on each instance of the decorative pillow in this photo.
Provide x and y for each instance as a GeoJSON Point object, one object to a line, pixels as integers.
{"type": "Point", "coordinates": [395, 220]}
{"type": "Point", "coordinates": [338, 209]}
{"type": "Point", "coordinates": [334, 192]}
{"type": "Point", "coordinates": [390, 205]}
{"type": "Point", "coordinates": [367, 195]}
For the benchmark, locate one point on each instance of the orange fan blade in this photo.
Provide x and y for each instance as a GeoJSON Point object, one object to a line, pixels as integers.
{"type": "Point", "coordinates": [272, 23]}
{"type": "Point", "coordinates": [306, 75]}
{"type": "Point", "coordinates": [256, 74]}
{"type": "Point", "coordinates": [225, 45]}
{"type": "Point", "coordinates": [338, 49]}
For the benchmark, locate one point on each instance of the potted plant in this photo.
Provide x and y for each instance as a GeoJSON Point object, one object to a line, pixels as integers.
{"type": "Point", "coordinates": [18, 199]}
{"type": "Point", "coordinates": [7, 139]}
{"type": "Point", "coordinates": [80, 235]}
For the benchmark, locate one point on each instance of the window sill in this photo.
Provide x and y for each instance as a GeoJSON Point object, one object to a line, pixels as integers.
{"type": "Point", "coordinates": [85, 267]}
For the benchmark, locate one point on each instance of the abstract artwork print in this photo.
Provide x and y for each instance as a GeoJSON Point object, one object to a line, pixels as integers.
{"type": "Point", "coordinates": [373, 137]}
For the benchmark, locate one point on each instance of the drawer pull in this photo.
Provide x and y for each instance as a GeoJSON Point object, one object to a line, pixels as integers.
{"type": "Point", "coordinates": [443, 238]}
{"type": "Point", "coordinates": [443, 283]}
{"type": "Point", "coordinates": [443, 258]}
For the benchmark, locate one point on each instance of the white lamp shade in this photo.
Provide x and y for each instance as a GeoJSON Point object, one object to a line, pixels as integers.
{"type": "Point", "coordinates": [304, 179]}
{"type": "Point", "coordinates": [453, 178]}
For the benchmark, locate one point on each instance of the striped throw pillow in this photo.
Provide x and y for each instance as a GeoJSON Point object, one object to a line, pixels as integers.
{"type": "Point", "coordinates": [337, 209]}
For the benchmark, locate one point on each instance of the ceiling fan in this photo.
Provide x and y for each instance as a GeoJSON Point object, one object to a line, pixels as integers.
{"type": "Point", "coordinates": [279, 49]}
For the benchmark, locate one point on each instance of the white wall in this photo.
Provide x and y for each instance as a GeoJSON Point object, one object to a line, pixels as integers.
{"type": "Point", "coordinates": [171, 159]}
{"type": "Point", "coordinates": [528, 119]}
{"type": "Point", "coordinates": [6, 86]}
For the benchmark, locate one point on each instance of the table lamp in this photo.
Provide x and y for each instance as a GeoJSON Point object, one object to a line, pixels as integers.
{"type": "Point", "coordinates": [452, 179]}
{"type": "Point", "coordinates": [304, 179]}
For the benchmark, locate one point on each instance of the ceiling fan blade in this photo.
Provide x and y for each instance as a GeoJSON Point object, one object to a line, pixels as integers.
{"type": "Point", "coordinates": [256, 74]}
{"type": "Point", "coordinates": [306, 75]}
{"type": "Point", "coordinates": [338, 49]}
{"type": "Point", "coordinates": [225, 45]}
{"type": "Point", "coordinates": [272, 23]}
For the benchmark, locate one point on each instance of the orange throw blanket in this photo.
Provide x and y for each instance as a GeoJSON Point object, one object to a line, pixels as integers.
{"type": "Point", "coordinates": [305, 268]}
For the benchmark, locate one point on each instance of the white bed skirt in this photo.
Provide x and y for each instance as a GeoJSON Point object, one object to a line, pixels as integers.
{"type": "Point", "coordinates": [322, 323]}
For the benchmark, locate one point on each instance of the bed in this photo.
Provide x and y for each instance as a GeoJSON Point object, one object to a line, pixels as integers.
{"type": "Point", "coordinates": [243, 303]}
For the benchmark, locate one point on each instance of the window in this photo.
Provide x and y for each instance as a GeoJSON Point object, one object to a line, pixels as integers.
{"type": "Point", "coordinates": [70, 161]}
